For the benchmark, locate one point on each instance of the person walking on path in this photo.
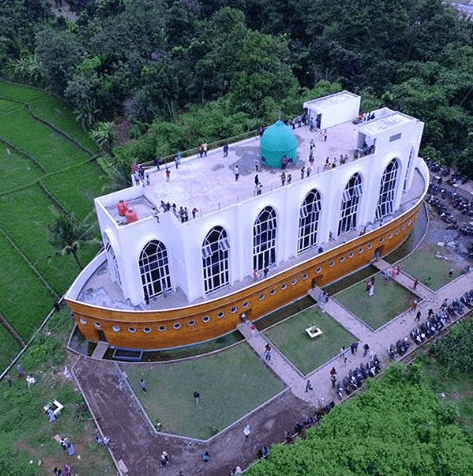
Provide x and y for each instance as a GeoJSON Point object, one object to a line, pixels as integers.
{"type": "Point", "coordinates": [196, 397]}
{"type": "Point", "coordinates": [354, 348]}
{"type": "Point", "coordinates": [168, 174]}
{"type": "Point", "coordinates": [289, 178]}
{"type": "Point", "coordinates": [246, 431]}
{"type": "Point", "coordinates": [333, 379]}
{"type": "Point", "coordinates": [414, 305]}
{"type": "Point", "coordinates": [333, 371]}
{"type": "Point", "coordinates": [283, 178]}
{"type": "Point", "coordinates": [414, 285]}
{"type": "Point", "coordinates": [417, 318]}
{"type": "Point", "coordinates": [366, 349]}
{"type": "Point", "coordinates": [225, 149]}
{"type": "Point", "coordinates": [302, 173]}
{"type": "Point", "coordinates": [164, 459]}
{"type": "Point", "coordinates": [143, 385]}
{"type": "Point", "coordinates": [342, 352]}
{"type": "Point", "coordinates": [308, 386]}
{"type": "Point", "coordinates": [236, 171]}
{"type": "Point", "coordinates": [267, 352]}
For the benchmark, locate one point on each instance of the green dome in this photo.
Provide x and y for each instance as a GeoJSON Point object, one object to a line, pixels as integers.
{"type": "Point", "coordinates": [278, 140]}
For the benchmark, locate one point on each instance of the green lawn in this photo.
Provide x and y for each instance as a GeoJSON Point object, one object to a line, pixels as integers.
{"type": "Point", "coordinates": [231, 384]}
{"type": "Point", "coordinates": [7, 106]}
{"type": "Point", "coordinates": [389, 300]}
{"type": "Point", "coordinates": [429, 266]}
{"type": "Point", "coordinates": [305, 353]}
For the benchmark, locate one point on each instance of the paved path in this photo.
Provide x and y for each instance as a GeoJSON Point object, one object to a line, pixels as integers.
{"type": "Point", "coordinates": [378, 340]}
{"type": "Point", "coordinates": [136, 443]}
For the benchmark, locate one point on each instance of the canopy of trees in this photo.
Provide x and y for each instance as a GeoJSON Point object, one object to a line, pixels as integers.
{"type": "Point", "coordinates": [397, 427]}
{"type": "Point", "coordinates": [155, 61]}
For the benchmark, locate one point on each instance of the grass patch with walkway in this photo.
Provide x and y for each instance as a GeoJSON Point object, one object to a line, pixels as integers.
{"type": "Point", "coordinates": [305, 353]}
{"type": "Point", "coordinates": [431, 265]}
{"type": "Point", "coordinates": [231, 384]}
{"type": "Point", "coordinates": [389, 300]}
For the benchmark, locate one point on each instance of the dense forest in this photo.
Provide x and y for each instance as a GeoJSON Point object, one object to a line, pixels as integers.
{"type": "Point", "coordinates": [149, 77]}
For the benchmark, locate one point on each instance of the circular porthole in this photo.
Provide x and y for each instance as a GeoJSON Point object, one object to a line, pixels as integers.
{"type": "Point", "coordinates": [381, 240]}
{"type": "Point", "coordinates": [397, 232]}
{"type": "Point", "coordinates": [390, 236]}
{"type": "Point", "coordinates": [82, 321]}
{"type": "Point", "coordinates": [361, 250]}
{"type": "Point", "coordinates": [207, 318]}
{"type": "Point", "coordinates": [245, 304]}
{"type": "Point", "coordinates": [294, 282]}
{"type": "Point", "coordinates": [177, 326]}
{"type": "Point", "coordinates": [261, 297]}
{"type": "Point", "coordinates": [132, 330]}
{"type": "Point", "coordinates": [305, 276]}
{"type": "Point", "coordinates": [221, 314]}
{"type": "Point", "coordinates": [351, 254]}
{"type": "Point", "coordinates": [146, 330]}
{"type": "Point", "coordinates": [283, 286]}
{"type": "Point", "coordinates": [97, 325]}
{"type": "Point", "coordinates": [233, 310]}
{"type": "Point", "coordinates": [318, 270]}
{"type": "Point", "coordinates": [191, 323]}
{"type": "Point", "coordinates": [161, 328]}
{"type": "Point", "coordinates": [369, 246]}
{"type": "Point", "coordinates": [115, 329]}
{"type": "Point", "coordinates": [332, 264]}
{"type": "Point", "coordinates": [342, 259]}
{"type": "Point", "coordinates": [272, 292]}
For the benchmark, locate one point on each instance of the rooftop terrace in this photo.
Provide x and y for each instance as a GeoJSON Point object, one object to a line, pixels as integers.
{"type": "Point", "coordinates": [209, 184]}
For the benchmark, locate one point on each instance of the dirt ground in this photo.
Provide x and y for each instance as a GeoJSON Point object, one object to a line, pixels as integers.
{"type": "Point", "coordinates": [134, 440]}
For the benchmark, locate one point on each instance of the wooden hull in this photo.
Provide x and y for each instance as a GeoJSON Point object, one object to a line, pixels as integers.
{"type": "Point", "coordinates": [196, 323]}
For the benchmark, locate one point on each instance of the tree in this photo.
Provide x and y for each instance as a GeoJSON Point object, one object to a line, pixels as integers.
{"type": "Point", "coordinates": [67, 235]}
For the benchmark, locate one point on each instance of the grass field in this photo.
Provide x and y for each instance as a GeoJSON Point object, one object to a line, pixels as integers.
{"type": "Point", "coordinates": [56, 112]}
{"type": "Point", "coordinates": [430, 270]}
{"type": "Point", "coordinates": [18, 279]}
{"type": "Point", "coordinates": [305, 353]}
{"type": "Point", "coordinates": [9, 348]}
{"type": "Point", "coordinates": [25, 207]}
{"type": "Point", "coordinates": [223, 381]}
{"type": "Point", "coordinates": [389, 300]}
{"type": "Point", "coordinates": [25, 433]}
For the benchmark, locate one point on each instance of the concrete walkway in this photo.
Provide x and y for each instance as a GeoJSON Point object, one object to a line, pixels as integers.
{"type": "Point", "coordinates": [378, 340]}
{"type": "Point", "coordinates": [134, 441]}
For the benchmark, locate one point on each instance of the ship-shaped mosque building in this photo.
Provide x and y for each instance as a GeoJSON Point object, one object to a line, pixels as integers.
{"type": "Point", "coordinates": [194, 245]}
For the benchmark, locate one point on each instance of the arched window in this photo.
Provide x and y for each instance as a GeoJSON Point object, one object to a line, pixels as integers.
{"type": "Point", "coordinates": [387, 189]}
{"type": "Point", "coordinates": [264, 239]}
{"type": "Point", "coordinates": [154, 268]}
{"type": "Point", "coordinates": [309, 220]}
{"type": "Point", "coordinates": [409, 164]}
{"type": "Point", "coordinates": [350, 201]}
{"type": "Point", "coordinates": [112, 262]}
{"type": "Point", "coordinates": [215, 250]}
